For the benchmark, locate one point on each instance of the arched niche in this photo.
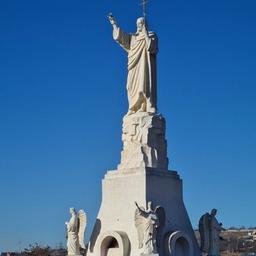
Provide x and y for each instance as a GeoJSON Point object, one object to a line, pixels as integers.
{"type": "Point", "coordinates": [178, 243]}
{"type": "Point", "coordinates": [113, 243]}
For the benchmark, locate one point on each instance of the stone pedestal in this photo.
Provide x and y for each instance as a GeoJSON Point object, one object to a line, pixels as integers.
{"type": "Point", "coordinates": [144, 143]}
{"type": "Point", "coordinates": [120, 191]}
{"type": "Point", "coordinates": [142, 176]}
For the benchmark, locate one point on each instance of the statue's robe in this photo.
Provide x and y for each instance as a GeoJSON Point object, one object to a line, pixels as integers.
{"type": "Point", "coordinates": [215, 229]}
{"type": "Point", "coordinates": [147, 222]}
{"type": "Point", "coordinates": [72, 241]}
{"type": "Point", "coordinates": [204, 229]}
{"type": "Point", "coordinates": [151, 223]}
{"type": "Point", "coordinates": [141, 80]}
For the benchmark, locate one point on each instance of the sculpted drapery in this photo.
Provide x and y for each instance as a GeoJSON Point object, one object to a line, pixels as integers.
{"type": "Point", "coordinates": [75, 231]}
{"type": "Point", "coordinates": [72, 234]}
{"type": "Point", "coordinates": [142, 48]}
{"type": "Point", "coordinates": [149, 223]}
{"type": "Point", "coordinates": [215, 230]}
{"type": "Point", "coordinates": [210, 230]}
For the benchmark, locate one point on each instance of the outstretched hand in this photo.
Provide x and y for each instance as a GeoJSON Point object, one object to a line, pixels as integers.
{"type": "Point", "coordinates": [111, 19]}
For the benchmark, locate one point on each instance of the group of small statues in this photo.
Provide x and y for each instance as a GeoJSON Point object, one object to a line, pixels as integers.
{"type": "Point", "coordinates": [149, 223]}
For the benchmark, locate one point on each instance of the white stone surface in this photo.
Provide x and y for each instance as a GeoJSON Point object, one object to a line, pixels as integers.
{"type": "Point", "coordinates": [142, 174]}
{"type": "Point", "coordinates": [111, 243]}
{"type": "Point", "coordinates": [122, 189]}
{"type": "Point", "coordinates": [151, 254]}
{"type": "Point", "coordinates": [179, 243]}
{"type": "Point", "coordinates": [142, 48]}
{"type": "Point", "coordinates": [75, 231]}
{"type": "Point", "coordinates": [149, 223]}
{"type": "Point", "coordinates": [144, 143]}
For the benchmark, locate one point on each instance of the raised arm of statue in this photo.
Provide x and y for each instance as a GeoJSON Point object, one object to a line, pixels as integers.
{"type": "Point", "coordinates": [137, 206]}
{"type": "Point", "coordinates": [120, 36]}
{"type": "Point", "coordinates": [112, 20]}
{"type": "Point", "coordinates": [141, 211]}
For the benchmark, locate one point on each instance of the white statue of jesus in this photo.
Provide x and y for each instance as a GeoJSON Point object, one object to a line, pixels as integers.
{"type": "Point", "coordinates": [142, 48]}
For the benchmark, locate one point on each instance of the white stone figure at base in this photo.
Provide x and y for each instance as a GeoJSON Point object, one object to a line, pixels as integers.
{"type": "Point", "coordinates": [210, 230]}
{"type": "Point", "coordinates": [142, 48]}
{"type": "Point", "coordinates": [149, 223]}
{"type": "Point", "coordinates": [75, 231]}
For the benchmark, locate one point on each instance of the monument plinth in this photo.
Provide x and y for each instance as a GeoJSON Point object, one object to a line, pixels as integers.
{"type": "Point", "coordinates": [142, 211]}
{"type": "Point", "coordinates": [144, 143]}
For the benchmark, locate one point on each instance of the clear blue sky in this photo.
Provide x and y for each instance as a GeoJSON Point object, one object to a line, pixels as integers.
{"type": "Point", "coordinates": [63, 96]}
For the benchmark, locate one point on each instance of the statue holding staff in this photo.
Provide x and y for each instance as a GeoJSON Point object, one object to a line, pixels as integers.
{"type": "Point", "coordinates": [142, 48]}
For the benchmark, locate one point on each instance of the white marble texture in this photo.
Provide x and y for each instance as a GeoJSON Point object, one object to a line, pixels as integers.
{"type": "Point", "coordinates": [144, 143]}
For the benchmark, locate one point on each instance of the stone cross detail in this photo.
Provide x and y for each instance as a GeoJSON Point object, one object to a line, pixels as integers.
{"type": "Point", "coordinates": [144, 3]}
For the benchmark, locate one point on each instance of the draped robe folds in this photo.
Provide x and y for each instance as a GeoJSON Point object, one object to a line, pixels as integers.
{"type": "Point", "coordinates": [72, 230]}
{"type": "Point", "coordinates": [141, 80]}
{"type": "Point", "coordinates": [151, 223]}
{"type": "Point", "coordinates": [215, 229]}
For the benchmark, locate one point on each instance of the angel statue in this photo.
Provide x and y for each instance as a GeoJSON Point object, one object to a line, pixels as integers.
{"type": "Point", "coordinates": [210, 230]}
{"type": "Point", "coordinates": [75, 231]}
{"type": "Point", "coordinates": [149, 223]}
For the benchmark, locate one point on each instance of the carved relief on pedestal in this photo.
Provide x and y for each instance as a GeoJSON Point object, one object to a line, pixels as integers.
{"type": "Point", "coordinates": [144, 143]}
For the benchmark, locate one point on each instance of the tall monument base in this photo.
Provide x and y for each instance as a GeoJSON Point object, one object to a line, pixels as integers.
{"type": "Point", "coordinates": [142, 176]}
{"type": "Point", "coordinates": [115, 232]}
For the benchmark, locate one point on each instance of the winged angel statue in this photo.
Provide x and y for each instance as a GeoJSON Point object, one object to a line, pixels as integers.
{"type": "Point", "coordinates": [75, 231]}
{"type": "Point", "coordinates": [149, 223]}
{"type": "Point", "coordinates": [210, 230]}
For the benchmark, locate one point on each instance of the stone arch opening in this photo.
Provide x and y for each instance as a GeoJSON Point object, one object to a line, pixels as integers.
{"type": "Point", "coordinates": [110, 246]}
{"type": "Point", "coordinates": [113, 243]}
{"type": "Point", "coordinates": [181, 247]}
{"type": "Point", "coordinates": [179, 244]}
